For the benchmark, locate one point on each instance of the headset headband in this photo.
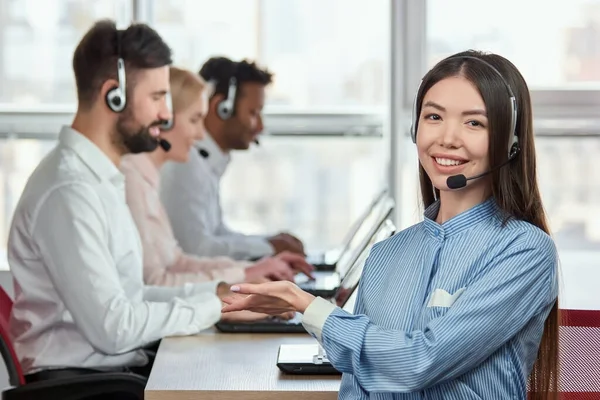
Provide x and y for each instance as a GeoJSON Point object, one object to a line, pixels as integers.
{"type": "Point", "coordinates": [513, 141]}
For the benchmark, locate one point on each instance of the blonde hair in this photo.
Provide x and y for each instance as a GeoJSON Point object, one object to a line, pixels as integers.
{"type": "Point", "coordinates": [186, 87]}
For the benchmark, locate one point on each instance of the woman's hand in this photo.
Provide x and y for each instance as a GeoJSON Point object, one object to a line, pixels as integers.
{"type": "Point", "coordinates": [271, 298]}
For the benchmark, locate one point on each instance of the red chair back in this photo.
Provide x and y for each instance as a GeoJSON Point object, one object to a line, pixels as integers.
{"type": "Point", "coordinates": [579, 349]}
{"type": "Point", "coordinates": [15, 373]}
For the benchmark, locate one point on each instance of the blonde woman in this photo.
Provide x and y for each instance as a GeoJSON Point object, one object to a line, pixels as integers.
{"type": "Point", "coordinates": [165, 264]}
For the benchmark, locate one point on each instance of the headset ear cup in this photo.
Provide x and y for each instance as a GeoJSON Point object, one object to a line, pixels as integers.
{"type": "Point", "coordinates": [114, 99]}
{"type": "Point", "coordinates": [224, 110]}
{"type": "Point", "coordinates": [413, 123]}
{"type": "Point", "coordinates": [514, 151]}
{"type": "Point", "coordinates": [226, 106]}
{"type": "Point", "coordinates": [168, 124]}
{"type": "Point", "coordinates": [514, 148]}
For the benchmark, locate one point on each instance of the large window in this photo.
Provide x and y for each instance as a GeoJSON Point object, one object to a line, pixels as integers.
{"type": "Point", "coordinates": [330, 59]}
{"type": "Point", "coordinates": [18, 159]}
{"type": "Point", "coordinates": [556, 45]}
{"type": "Point", "coordinates": [37, 40]}
{"type": "Point", "coordinates": [325, 54]}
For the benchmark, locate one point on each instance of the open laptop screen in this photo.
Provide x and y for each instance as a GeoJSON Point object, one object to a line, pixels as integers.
{"type": "Point", "coordinates": [367, 229]}
{"type": "Point", "coordinates": [350, 282]}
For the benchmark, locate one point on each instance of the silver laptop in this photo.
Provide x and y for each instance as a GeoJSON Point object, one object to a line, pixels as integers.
{"type": "Point", "coordinates": [309, 359]}
{"type": "Point", "coordinates": [326, 282]}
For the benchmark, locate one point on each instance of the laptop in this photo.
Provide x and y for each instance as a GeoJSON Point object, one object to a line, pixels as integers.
{"type": "Point", "coordinates": [327, 261]}
{"type": "Point", "coordinates": [326, 283]}
{"type": "Point", "coordinates": [309, 359]}
{"type": "Point", "coordinates": [342, 298]}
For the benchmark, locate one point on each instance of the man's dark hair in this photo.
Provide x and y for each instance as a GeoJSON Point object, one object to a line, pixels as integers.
{"type": "Point", "coordinates": [95, 58]}
{"type": "Point", "coordinates": [221, 69]}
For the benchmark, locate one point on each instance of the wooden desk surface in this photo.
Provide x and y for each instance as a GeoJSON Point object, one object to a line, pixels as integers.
{"type": "Point", "coordinates": [234, 367]}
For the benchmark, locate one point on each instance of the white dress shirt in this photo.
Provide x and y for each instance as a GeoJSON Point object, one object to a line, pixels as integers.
{"type": "Point", "coordinates": [190, 194]}
{"type": "Point", "coordinates": [76, 258]}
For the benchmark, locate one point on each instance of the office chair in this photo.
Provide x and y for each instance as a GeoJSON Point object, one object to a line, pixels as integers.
{"type": "Point", "coordinates": [579, 350]}
{"type": "Point", "coordinates": [111, 385]}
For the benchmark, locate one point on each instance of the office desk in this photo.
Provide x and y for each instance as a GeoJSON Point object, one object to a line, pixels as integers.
{"type": "Point", "coordinates": [223, 366]}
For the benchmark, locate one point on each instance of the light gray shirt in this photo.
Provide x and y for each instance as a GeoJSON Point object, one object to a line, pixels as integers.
{"type": "Point", "coordinates": [190, 194]}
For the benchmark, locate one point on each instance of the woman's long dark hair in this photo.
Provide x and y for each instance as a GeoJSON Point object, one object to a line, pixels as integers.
{"type": "Point", "coordinates": [514, 187]}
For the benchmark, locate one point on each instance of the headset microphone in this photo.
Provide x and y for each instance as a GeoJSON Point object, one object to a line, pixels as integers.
{"type": "Point", "coordinates": [460, 181]}
{"type": "Point", "coordinates": [166, 146]}
{"type": "Point", "coordinates": [203, 153]}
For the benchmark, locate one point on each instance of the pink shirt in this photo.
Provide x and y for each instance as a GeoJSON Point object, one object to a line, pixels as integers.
{"type": "Point", "coordinates": [165, 264]}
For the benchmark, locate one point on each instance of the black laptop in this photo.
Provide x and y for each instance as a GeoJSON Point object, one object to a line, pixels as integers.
{"type": "Point", "coordinates": [341, 298]}
{"type": "Point", "coordinates": [309, 359]}
{"type": "Point", "coordinates": [327, 261]}
{"type": "Point", "coordinates": [326, 283]}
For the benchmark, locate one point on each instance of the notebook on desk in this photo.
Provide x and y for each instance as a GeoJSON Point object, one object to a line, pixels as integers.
{"type": "Point", "coordinates": [326, 283]}
{"type": "Point", "coordinates": [309, 359]}
{"type": "Point", "coordinates": [342, 297]}
{"type": "Point", "coordinates": [327, 260]}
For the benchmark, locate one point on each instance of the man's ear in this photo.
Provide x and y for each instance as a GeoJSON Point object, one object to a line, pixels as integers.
{"type": "Point", "coordinates": [214, 103]}
{"type": "Point", "coordinates": [106, 87]}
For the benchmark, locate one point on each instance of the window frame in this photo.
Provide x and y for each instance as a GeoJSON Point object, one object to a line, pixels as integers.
{"type": "Point", "coordinates": [45, 123]}
{"type": "Point", "coordinates": [568, 104]}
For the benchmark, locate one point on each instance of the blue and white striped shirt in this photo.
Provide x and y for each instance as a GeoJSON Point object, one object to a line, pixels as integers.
{"type": "Point", "coordinates": [450, 311]}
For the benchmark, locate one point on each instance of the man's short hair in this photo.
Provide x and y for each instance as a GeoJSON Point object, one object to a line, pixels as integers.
{"type": "Point", "coordinates": [95, 58]}
{"type": "Point", "coordinates": [221, 69]}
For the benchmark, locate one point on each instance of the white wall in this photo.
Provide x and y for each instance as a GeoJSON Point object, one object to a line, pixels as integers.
{"type": "Point", "coordinates": [6, 283]}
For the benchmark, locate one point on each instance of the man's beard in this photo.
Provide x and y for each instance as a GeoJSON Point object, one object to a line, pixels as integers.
{"type": "Point", "coordinates": [134, 138]}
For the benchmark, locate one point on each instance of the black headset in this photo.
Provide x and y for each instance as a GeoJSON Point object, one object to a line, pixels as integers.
{"type": "Point", "coordinates": [116, 97]}
{"type": "Point", "coordinates": [226, 107]}
{"type": "Point", "coordinates": [513, 141]}
{"type": "Point", "coordinates": [168, 124]}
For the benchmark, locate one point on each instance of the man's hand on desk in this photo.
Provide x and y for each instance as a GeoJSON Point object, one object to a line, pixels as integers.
{"type": "Point", "coordinates": [282, 267]}
{"type": "Point", "coordinates": [286, 242]}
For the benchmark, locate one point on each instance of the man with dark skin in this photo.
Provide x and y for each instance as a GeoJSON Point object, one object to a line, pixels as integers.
{"type": "Point", "coordinates": [190, 191]}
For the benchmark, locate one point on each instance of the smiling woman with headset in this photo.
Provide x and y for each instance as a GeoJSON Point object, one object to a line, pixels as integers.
{"type": "Point", "coordinates": [463, 305]}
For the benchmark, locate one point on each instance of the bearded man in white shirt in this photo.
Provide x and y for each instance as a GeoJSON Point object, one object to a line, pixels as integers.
{"type": "Point", "coordinates": [74, 251]}
{"type": "Point", "coordinates": [190, 191]}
